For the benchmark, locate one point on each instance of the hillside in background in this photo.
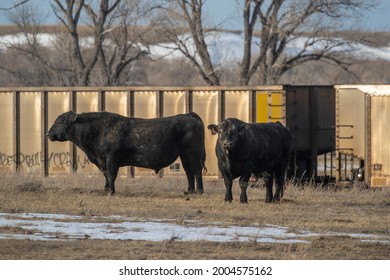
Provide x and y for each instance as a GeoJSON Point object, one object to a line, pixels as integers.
{"type": "Point", "coordinates": [167, 66]}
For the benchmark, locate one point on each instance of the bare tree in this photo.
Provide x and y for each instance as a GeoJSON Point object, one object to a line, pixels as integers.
{"type": "Point", "coordinates": [184, 17]}
{"type": "Point", "coordinates": [308, 25]}
{"type": "Point", "coordinates": [69, 14]}
{"type": "Point", "coordinates": [276, 25]}
{"type": "Point", "coordinates": [15, 5]}
{"type": "Point", "coordinates": [83, 62]}
{"type": "Point", "coordinates": [29, 47]}
{"type": "Point", "coordinates": [96, 41]}
{"type": "Point", "coordinates": [125, 43]}
{"type": "Point", "coordinates": [101, 42]}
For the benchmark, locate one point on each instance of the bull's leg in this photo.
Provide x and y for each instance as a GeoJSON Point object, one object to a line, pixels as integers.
{"type": "Point", "coordinates": [112, 172]}
{"type": "Point", "coordinates": [228, 185]}
{"type": "Point", "coordinates": [268, 188]}
{"type": "Point", "coordinates": [193, 169]}
{"type": "Point", "coordinates": [189, 173]}
{"type": "Point", "coordinates": [101, 164]}
{"type": "Point", "coordinates": [111, 177]}
{"type": "Point", "coordinates": [199, 182]}
{"type": "Point", "coordinates": [279, 189]}
{"type": "Point", "coordinates": [279, 180]}
{"type": "Point", "coordinates": [107, 185]}
{"type": "Point", "coordinates": [243, 186]}
{"type": "Point", "coordinates": [190, 181]}
{"type": "Point", "coordinates": [198, 167]}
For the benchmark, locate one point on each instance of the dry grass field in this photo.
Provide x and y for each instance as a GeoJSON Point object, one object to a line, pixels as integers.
{"type": "Point", "coordinates": [318, 209]}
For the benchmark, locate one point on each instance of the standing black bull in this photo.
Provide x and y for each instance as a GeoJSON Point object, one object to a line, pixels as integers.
{"type": "Point", "coordinates": [243, 149]}
{"type": "Point", "coordinates": [111, 141]}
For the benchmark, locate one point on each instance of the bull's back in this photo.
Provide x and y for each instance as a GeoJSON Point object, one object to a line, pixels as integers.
{"type": "Point", "coordinates": [166, 137]}
{"type": "Point", "coordinates": [274, 133]}
{"type": "Point", "coordinates": [271, 145]}
{"type": "Point", "coordinates": [176, 127]}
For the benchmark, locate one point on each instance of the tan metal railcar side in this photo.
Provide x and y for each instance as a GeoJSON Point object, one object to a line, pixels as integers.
{"type": "Point", "coordinates": [27, 113]}
{"type": "Point", "coordinates": [363, 129]}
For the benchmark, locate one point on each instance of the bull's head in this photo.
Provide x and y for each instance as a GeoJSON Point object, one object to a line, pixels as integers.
{"type": "Point", "coordinates": [61, 128]}
{"type": "Point", "coordinates": [228, 134]}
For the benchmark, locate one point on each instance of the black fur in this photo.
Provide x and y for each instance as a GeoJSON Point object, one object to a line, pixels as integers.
{"type": "Point", "coordinates": [244, 149]}
{"type": "Point", "coordinates": [111, 141]}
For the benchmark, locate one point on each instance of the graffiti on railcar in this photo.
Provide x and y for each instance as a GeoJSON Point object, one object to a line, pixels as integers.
{"type": "Point", "coordinates": [34, 162]}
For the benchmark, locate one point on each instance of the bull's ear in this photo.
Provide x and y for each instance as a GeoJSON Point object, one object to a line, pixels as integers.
{"type": "Point", "coordinates": [213, 128]}
{"type": "Point", "coordinates": [241, 129]}
{"type": "Point", "coordinates": [73, 116]}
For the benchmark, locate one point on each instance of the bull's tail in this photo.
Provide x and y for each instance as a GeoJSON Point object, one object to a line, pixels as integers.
{"type": "Point", "coordinates": [204, 170]}
{"type": "Point", "coordinates": [203, 164]}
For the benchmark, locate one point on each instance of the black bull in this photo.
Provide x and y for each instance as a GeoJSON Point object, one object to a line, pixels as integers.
{"type": "Point", "coordinates": [111, 141]}
{"type": "Point", "coordinates": [244, 149]}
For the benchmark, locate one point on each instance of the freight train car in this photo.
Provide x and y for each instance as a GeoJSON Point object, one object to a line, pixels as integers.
{"type": "Point", "coordinates": [363, 133]}
{"type": "Point", "coordinates": [26, 113]}
{"type": "Point", "coordinates": [310, 116]}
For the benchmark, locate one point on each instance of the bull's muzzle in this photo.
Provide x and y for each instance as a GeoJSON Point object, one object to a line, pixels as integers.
{"type": "Point", "coordinates": [49, 136]}
{"type": "Point", "coordinates": [227, 145]}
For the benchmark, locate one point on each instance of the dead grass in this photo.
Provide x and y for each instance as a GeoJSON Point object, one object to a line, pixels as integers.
{"type": "Point", "coordinates": [320, 249]}
{"type": "Point", "coordinates": [318, 209]}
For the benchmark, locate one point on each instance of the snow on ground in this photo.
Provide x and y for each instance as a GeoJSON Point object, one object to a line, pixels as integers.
{"type": "Point", "coordinates": [35, 226]}
{"type": "Point", "coordinates": [224, 47]}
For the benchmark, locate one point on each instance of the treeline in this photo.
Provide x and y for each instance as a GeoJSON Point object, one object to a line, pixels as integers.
{"type": "Point", "coordinates": [107, 43]}
{"type": "Point", "coordinates": [22, 71]}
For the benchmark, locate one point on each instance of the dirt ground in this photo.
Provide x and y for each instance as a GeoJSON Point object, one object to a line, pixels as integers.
{"type": "Point", "coordinates": [317, 209]}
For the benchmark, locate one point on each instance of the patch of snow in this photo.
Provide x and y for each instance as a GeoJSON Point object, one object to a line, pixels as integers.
{"type": "Point", "coordinates": [224, 47]}
{"type": "Point", "coordinates": [36, 226]}
{"type": "Point", "coordinates": [67, 227]}
{"type": "Point", "coordinates": [44, 39]}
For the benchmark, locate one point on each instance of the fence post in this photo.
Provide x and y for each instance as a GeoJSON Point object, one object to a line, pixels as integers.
{"type": "Point", "coordinates": [16, 118]}
{"type": "Point", "coordinates": [102, 100]}
{"type": "Point", "coordinates": [189, 101]}
{"type": "Point", "coordinates": [252, 106]}
{"type": "Point", "coordinates": [73, 149]}
{"type": "Point", "coordinates": [131, 114]}
{"type": "Point", "coordinates": [44, 141]}
{"type": "Point", "coordinates": [160, 114]}
{"type": "Point", "coordinates": [222, 105]}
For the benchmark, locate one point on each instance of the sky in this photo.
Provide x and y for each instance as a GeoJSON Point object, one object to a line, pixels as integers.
{"type": "Point", "coordinates": [226, 14]}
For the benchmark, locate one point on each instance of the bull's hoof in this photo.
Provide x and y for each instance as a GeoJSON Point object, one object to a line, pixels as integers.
{"type": "Point", "coordinates": [110, 192]}
{"type": "Point", "coordinates": [228, 200]}
{"type": "Point", "coordinates": [244, 201]}
{"type": "Point", "coordinates": [276, 199]}
{"type": "Point", "coordinates": [189, 192]}
{"type": "Point", "coordinates": [269, 199]}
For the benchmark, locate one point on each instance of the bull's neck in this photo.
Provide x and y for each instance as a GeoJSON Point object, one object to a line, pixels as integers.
{"type": "Point", "coordinates": [237, 152]}
{"type": "Point", "coordinates": [85, 137]}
